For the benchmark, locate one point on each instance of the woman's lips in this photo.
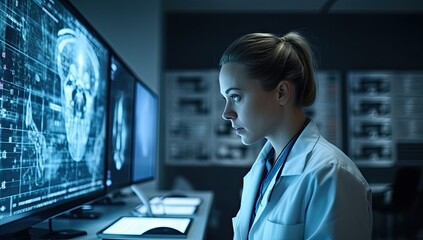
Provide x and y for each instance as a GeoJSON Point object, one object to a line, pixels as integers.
{"type": "Point", "coordinates": [239, 130]}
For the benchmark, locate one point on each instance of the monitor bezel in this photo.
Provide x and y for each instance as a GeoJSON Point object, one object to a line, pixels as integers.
{"type": "Point", "coordinates": [24, 221]}
{"type": "Point", "coordinates": [156, 97]}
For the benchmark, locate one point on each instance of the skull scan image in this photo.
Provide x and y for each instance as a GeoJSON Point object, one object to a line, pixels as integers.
{"type": "Point", "coordinates": [119, 132]}
{"type": "Point", "coordinates": [78, 68]}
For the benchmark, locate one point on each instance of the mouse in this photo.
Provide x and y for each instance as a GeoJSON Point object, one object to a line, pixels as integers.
{"type": "Point", "coordinates": [176, 195]}
{"type": "Point", "coordinates": [163, 230]}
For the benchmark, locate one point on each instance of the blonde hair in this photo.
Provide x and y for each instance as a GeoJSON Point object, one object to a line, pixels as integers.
{"type": "Point", "coordinates": [271, 59]}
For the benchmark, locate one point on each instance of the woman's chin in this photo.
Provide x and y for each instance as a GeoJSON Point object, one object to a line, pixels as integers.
{"type": "Point", "coordinates": [247, 141]}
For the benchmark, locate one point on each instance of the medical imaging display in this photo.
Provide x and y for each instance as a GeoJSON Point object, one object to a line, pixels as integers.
{"type": "Point", "coordinates": [52, 105]}
{"type": "Point", "coordinates": [146, 134]}
{"type": "Point", "coordinates": [120, 121]}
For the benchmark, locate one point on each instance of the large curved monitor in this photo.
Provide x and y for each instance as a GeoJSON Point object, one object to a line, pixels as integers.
{"type": "Point", "coordinates": [146, 119]}
{"type": "Point", "coordinates": [53, 111]}
{"type": "Point", "coordinates": [121, 107]}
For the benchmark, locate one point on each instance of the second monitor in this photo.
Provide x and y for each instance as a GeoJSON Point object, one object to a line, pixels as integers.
{"type": "Point", "coordinates": [121, 109]}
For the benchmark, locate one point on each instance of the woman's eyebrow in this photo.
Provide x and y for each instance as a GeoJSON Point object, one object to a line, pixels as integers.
{"type": "Point", "coordinates": [230, 89]}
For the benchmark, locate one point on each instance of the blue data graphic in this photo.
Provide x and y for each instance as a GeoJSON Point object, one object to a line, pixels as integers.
{"type": "Point", "coordinates": [52, 107]}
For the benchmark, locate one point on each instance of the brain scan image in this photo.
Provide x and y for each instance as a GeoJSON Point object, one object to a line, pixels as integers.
{"type": "Point", "coordinates": [78, 68]}
{"type": "Point", "coordinates": [121, 102]}
{"type": "Point", "coordinates": [119, 131]}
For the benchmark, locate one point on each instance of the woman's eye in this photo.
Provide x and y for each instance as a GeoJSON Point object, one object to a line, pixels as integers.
{"type": "Point", "coordinates": [236, 98]}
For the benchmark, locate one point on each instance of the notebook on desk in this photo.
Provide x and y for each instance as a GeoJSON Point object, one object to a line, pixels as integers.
{"type": "Point", "coordinates": [148, 227]}
{"type": "Point", "coordinates": [165, 210]}
{"type": "Point", "coordinates": [169, 206]}
{"type": "Point", "coordinates": [176, 201]}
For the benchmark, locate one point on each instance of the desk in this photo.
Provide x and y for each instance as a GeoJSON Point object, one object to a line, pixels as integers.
{"type": "Point", "coordinates": [110, 213]}
{"type": "Point", "coordinates": [380, 188]}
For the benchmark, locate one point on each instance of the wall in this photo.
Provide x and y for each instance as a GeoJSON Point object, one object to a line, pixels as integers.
{"type": "Point", "coordinates": [340, 41]}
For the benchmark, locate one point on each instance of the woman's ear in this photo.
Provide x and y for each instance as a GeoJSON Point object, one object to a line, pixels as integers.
{"type": "Point", "coordinates": [284, 91]}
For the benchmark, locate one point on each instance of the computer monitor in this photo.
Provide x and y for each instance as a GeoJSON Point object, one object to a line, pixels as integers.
{"type": "Point", "coordinates": [146, 120]}
{"type": "Point", "coordinates": [53, 106]}
{"type": "Point", "coordinates": [121, 107]}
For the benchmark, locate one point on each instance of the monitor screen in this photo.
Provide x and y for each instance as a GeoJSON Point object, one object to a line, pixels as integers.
{"type": "Point", "coordinates": [120, 122]}
{"type": "Point", "coordinates": [145, 134]}
{"type": "Point", "coordinates": [53, 111]}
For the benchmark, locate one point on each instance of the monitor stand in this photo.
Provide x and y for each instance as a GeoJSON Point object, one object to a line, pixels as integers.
{"type": "Point", "coordinates": [83, 212]}
{"type": "Point", "coordinates": [144, 200]}
{"type": "Point", "coordinates": [55, 234]}
{"type": "Point", "coordinates": [111, 199]}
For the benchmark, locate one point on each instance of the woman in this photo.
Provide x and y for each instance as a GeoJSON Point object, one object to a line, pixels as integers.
{"type": "Point", "coordinates": [300, 186]}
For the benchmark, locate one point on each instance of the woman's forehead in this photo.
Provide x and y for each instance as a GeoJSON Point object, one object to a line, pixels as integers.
{"type": "Point", "coordinates": [234, 70]}
{"type": "Point", "coordinates": [233, 74]}
{"type": "Point", "coordinates": [235, 77]}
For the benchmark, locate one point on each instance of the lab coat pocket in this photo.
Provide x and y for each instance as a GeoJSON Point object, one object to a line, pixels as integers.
{"type": "Point", "coordinates": [273, 230]}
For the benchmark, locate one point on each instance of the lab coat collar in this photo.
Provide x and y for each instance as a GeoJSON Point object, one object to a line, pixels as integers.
{"type": "Point", "coordinates": [297, 158]}
{"type": "Point", "coordinates": [295, 162]}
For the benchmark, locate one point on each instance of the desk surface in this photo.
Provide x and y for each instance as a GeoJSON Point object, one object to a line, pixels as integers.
{"type": "Point", "coordinates": [110, 213]}
{"type": "Point", "coordinates": [380, 188]}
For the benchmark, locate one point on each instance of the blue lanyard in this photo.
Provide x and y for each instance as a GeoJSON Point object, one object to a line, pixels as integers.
{"type": "Point", "coordinates": [276, 169]}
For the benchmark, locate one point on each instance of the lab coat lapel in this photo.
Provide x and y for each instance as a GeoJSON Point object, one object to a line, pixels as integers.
{"type": "Point", "coordinates": [295, 163]}
{"type": "Point", "coordinates": [298, 157]}
{"type": "Point", "coordinates": [251, 184]}
{"type": "Point", "coordinates": [264, 201]}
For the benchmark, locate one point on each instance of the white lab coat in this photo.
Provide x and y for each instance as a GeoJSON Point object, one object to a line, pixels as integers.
{"type": "Point", "coordinates": [321, 194]}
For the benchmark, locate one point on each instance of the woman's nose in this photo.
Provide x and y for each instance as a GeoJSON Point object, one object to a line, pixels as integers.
{"type": "Point", "coordinates": [228, 113]}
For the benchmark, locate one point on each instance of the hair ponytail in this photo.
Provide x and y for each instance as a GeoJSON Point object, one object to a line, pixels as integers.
{"type": "Point", "coordinates": [271, 59]}
{"type": "Point", "coordinates": [306, 94]}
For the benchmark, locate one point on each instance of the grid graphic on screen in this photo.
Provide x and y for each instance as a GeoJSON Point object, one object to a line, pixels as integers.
{"type": "Point", "coordinates": [52, 106]}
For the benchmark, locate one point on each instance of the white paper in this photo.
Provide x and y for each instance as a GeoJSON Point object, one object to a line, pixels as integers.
{"type": "Point", "coordinates": [140, 225]}
{"type": "Point", "coordinates": [160, 209]}
{"type": "Point", "coordinates": [185, 201]}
